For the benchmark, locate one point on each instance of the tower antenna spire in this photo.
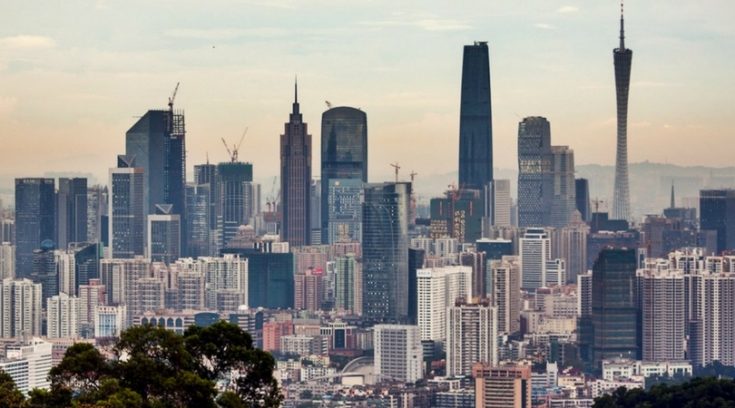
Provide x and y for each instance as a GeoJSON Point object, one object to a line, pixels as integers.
{"type": "Point", "coordinates": [296, 89]}
{"type": "Point", "coordinates": [622, 27]}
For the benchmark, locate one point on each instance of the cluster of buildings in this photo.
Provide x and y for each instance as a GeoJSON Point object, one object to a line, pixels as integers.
{"type": "Point", "coordinates": [365, 296]}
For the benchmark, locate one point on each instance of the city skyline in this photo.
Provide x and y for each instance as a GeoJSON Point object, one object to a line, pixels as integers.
{"type": "Point", "coordinates": [57, 107]}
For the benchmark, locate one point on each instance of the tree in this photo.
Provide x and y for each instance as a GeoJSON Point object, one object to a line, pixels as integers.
{"type": "Point", "coordinates": [10, 396]}
{"type": "Point", "coordinates": [699, 392]}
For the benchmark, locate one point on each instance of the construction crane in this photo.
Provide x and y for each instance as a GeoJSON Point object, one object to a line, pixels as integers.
{"type": "Point", "coordinates": [329, 104]}
{"type": "Point", "coordinates": [397, 167]}
{"type": "Point", "coordinates": [453, 192]}
{"type": "Point", "coordinates": [413, 175]}
{"type": "Point", "coordinates": [271, 198]}
{"type": "Point", "coordinates": [172, 97]}
{"type": "Point", "coordinates": [235, 148]}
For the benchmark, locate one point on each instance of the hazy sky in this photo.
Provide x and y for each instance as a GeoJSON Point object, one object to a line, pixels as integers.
{"type": "Point", "coordinates": [74, 75]}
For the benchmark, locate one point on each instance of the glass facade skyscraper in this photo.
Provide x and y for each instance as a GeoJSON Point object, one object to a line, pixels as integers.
{"type": "Point", "coordinates": [344, 152]}
{"type": "Point", "coordinates": [717, 213]}
{"type": "Point", "coordinates": [126, 213]}
{"type": "Point", "coordinates": [475, 119]}
{"type": "Point", "coordinates": [71, 211]}
{"type": "Point", "coordinates": [345, 210]}
{"type": "Point", "coordinates": [535, 176]}
{"type": "Point", "coordinates": [385, 251]}
{"type": "Point", "coordinates": [34, 220]}
{"type": "Point", "coordinates": [234, 196]}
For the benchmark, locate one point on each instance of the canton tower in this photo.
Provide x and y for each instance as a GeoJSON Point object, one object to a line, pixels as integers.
{"type": "Point", "coordinates": [622, 57]}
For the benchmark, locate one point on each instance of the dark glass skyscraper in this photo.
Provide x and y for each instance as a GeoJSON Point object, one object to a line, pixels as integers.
{"type": "Point", "coordinates": [234, 199]}
{"type": "Point", "coordinates": [35, 208]}
{"type": "Point", "coordinates": [535, 175]}
{"type": "Point", "coordinates": [582, 198]}
{"type": "Point", "coordinates": [717, 213]}
{"type": "Point", "coordinates": [296, 178]}
{"type": "Point", "coordinates": [615, 305]}
{"type": "Point", "coordinates": [71, 211]}
{"type": "Point", "coordinates": [622, 58]}
{"type": "Point", "coordinates": [385, 252]}
{"type": "Point", "coordinates": [127, 218]}
{"type": "Point", "coordinates": [475, 119]}
{"type": "Point", "coordinates": [344, 152]}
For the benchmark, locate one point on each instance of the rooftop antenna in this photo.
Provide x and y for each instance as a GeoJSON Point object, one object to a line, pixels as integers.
{"type": "Point", "coordinates": [329, 104]}
{"type": "Point", "coordinates": [622, 24]}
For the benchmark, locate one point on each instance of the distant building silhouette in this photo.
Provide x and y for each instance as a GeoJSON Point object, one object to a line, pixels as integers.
{"type": "Point", "coordinates": [35, 211]}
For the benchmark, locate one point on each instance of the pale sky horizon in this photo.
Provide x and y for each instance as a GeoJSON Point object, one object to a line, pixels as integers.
{"type": "Point", "coordinates": [75, 75]}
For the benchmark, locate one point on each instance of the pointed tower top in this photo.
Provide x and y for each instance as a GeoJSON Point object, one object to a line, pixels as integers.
{"type": "Point", "coordinates": [295, 113]}
{"type": "Point", "coordinates": [296, 89]}
{"type": "Point", "coordinates": [622, 29]}
{"type": "Point", "coordinates": [673, 197]}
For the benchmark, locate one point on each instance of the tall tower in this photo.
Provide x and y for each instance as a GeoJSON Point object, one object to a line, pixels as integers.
{"type": "Point", "coordinates": [296, 178]}
{"type": "Point", "coordinates": [622, 57]}
{"type": "Point", "coordinates": [475, 119]}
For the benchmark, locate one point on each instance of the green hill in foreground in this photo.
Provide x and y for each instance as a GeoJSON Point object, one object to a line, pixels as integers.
{"type": "Point", "coordinates": [706, 392]}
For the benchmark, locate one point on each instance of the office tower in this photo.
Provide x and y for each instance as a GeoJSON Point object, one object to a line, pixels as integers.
{"type": "Point", "coordinates": [296, 178]}
{"type": "Point", "coordinates": [535, 251]}
{"type": "Point", "coordinates": [34, 220]}
{"type": "Point", "coordinates": [494, 248]}
{"type": "Point", "coordinates": [654, 228]}
{"type": "Point", "coordinates": [458, 215]}
{"type": "Point", "coordinates": [717, 213]}
{"type": "Point", "coordinates": [270, 281]}
{"type": "Point", "coordinates": [472, 336]}
{"type": "Point", "coordinates": [564, 202]}
{"type": "Point", "coordinates": [66, 271]}
{"type": "Point", "coordinates": [416, 259]}
{"type": "Point", "coordinates": [622, 58]}
{"type": "Point", "coordinates": [97, 206]}
{"type": "Point", "coordinates": [62, 317]}
{"type": "Point", "coordinates": [535, 176]}
{"type": "Point", "coordinates": [198, 217]}
{"type": "Point", "coordinates": [663, 334]}
{"type": "Point", "coordinates": [234, 196]}
{"type": "Point", "coordinates": [28, 363]}
{"type": "Point", "coordinates": [344, 209]}
{"type": "Point", "coordinates": [504, 386]}
{"type": "Point", "coordinates": [109, 321]}
{"type": "Point", "coordinates": [157, 142]}
{"type": "Point", "coordinates": [344, 152]}
{"type": "Point", "coordinates": [477, 261]}
{"type": "Point", "coordinates": [7, 260]}
{"type": "Point", "coordinates": [127, 209]}
{"type": "Point", "coordinates": [439, 289]}
{"type": "Point", "coordinates": [597, 241]}
{"type": "Point", "coordinates": [582, 198]}
{"type": "Point", "coordinates": [44, 270]}
{"type": "Point", "coordinates": [499, 203]}
{"type": "Point", "coordinates": [570, 243]}
{"type": "Point", "coordinates": [585, 333]}
{"type": "Point", "coordinates": [71, 211]}
{"type": "Point", "coordinates": [309, 289]}
{"type": "Point", "coordinates": [385, 251]}
{"type": "Point", "coordinates": [164, 235]}
{"type": "Point", "coordinates": [504, 290]}
{"type": "Point", "coordinates": [91, 295]}
{"type": "Point", "coordinates": [206, 175]}
{"type": "Point", "coordinates": [475, 119]}
{"type": "Point", "coordinates": [21, 308]}
{"type": "Point", "coordinates": [398, 353]}
{"type": "Point", "coordinates": [315, 211]}
{"type": "Point", "coordinates": [615, 305]}
{"type": "Point", "coordinates": [7, 230]}
{"type": "Point", "coordinates": [348, 285]}
{"type": "Point", "coordinates": [86, 261]}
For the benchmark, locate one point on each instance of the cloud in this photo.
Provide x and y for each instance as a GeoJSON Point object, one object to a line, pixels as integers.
{"type": "Point", "coordinates": [567, 9]}
{"type": "Point", "coordinates": [428, 24]}
{"type": "Point", "coordinates": [7, 105]}
{"type": "Point", "coordinates": [225, 33]}
{"type": "Point", "coordinates": [544, 26]}
{"type": "Point", "coordinates": [27, 41]}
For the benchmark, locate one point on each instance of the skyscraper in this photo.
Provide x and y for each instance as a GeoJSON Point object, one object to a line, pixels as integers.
{"type": "Point", "coordinates": [622, 57]}
{"type": "Point", "coordinates": [563, 202]}
{"type": "Point", "coordinates": [385, 251]}
{"type": "Point", "coordinates": [504, 289]}
{"type": "Point", "coordinates": [499, 203]}
{"type": "Point", "coordinates": [164, 235]}
{"type": "Point", "coordinates": [535, 176]}
{"type": "Point", "coordinates": [34, 220]}
{"type": "Point", "coordinates": [126, 213]}
{"type": "Point", "coordinates": [21, 305]}
{"type": "Point", "coordinates": [582, 198]}
{"type": "Point", "coordinates": [662, 312]}
{"type": "Point", "coordinates": [439, 289]}
{"type": "Point", "coordinates": [345, 210]}
{"type": "Point", "coordinates": [475, 119]}
{"type": "Point", "coordinates": [717, 213]}
{"type": "Point", "coordinates": [296, 178]}
{"type": "Point", "coordinates": [234, 199]}
{"type": "Point", "coordinates": [71, 211]}
{"type": "Point", "coordinates": [535, 251]}
{"type": "Point", "coordinates": [344, 152]}
{"type": "Point", "coordinates": [504, 386]}
{"type": "Point", "coordinates": [398, 353]}
{"type": "Point", "coordinates": [472, 336]}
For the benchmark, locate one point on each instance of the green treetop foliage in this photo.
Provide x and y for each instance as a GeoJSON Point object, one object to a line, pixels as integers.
{"type": "Point", "coordinates": [157, 368]}
{"type": "Point", "coordinates": [699, 392]}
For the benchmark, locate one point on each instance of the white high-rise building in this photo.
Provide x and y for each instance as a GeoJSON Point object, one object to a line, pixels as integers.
{"type": "Point", "coordinates": [500, 203]}
{"type": "Point", "coordinates": [570, 243]}
{"type": "Point", "coordinates": [90, 296]}
{"type": "Point", "coordinates": [109, 321]}
{"type": "Point", "coordinates": [535, 250]}
{"type": "Point", "coordinates": [398, 352]}
{"type": "Point", "coordinates": [28, 364]}
{"type": "Point", "coordinates": [472, 337]}
{"type": "Point", "coordinates": [66, 271]}
{"type": "Point", "coordinates": [120, 277]}
{"type": "Point", "coordinates": [556, 272]}
{"type": "Point", "coordinates": [505, 292]}
{"type": "Point", "coordinates": [439, 288]}
{"type": "Point", "coordinates": [662, 312]}
{"type": "Point", "coordinates": [62, 316]}
{"type": "Point", "coordinates": [228, 273]}
{"type": "Point", "coordinates": [7, 260]}
{"type": "Point", "coordinates": [584, 294]}
{"type": "Point", "coordinates": [21, 308]}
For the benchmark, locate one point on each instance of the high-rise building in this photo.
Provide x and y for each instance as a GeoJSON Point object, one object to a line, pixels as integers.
{"type": "Point", "coordinates": [504, 290]}
{"type": "Point", "coordinates": [615, 305]}
{"type": "Point", "coordinates": [475, 119]}
{"type": "Point", "coordinates": [717, 213]}
{"type": "Point", "coordinates": [296, 178]}
{"type": "Point", "coordinates": [309, 289]}
{"type": "Point", "coordinates": [348, 284]}
{"type": "Point", "coordinates": [270, 278]}
{"type": "Point", "coordinates": [344, 206]}
{"type": "Point", "coordinates": [199, 222]}
{"type": "Point", "coordinates": [315, 211]}
{"type": "Point", "coordinates": [109, 321]}
{"type": "Point", "coordinates": [91, 295]}
{"type": "Point", "coordinates": [385, 251]}
{"type": "Point", "coordinates": [535, 176]}
{"type": "Point", "coordinates": [570, 243]}
{"type": "Point", "coordinates": [7, 230]}
{"type": "Point", "coordinates": [71, 211]}
{"type": "Point", "coordinates": [97, 206]}
{"type": "Point", "coordinates": [582, 198]}
{"type": "Point", "coordinates": [622, 58]}
{"type": "Point", "coordinates": [563, 202]}
{"type": "Point", "coordinates": [535, 251]}
{"type": "Point", "coordinates": [663, 334]}
{"type": "Point", "coordinates": [475, 260]}
{"type": "Point", "coordinates": [585, 333]}
{"type": "Point", "coordinates": [164, 235]}
{"type": "Point", "coordinates": [66, 271]}
{"type": "Point", "coordinates": [62, 316]}
{"type": "Point", "coordinates": [28, 363]}
{"type": "Point", "coordinates": [439, 289]}
{"type": "Point", "coordinates": [127, 209]}
{"type": "Point", "coordinates": [34, 220]}
{"type": "Point", "coordinates": [499, 203]}
{"type": "Point", "coordinates": [472, 336]}
{"type": "Point", "coordinates": [21, 304]}
{"type": "Point", "coordinates": [44, 270]}
{"type": "Point", "coordinates": [398, 353]}
{"type": "Point", "coordinates": [494, 248]}
{"type": "Point", "coordinates": [344, 153]}
{"type": "Point", "coordinates": [86, 261]}
{"type": "Point", "coordinates": [234, 199]}
{"type": "Point", "coordinates": [120, 277]}
{"type": "Point", "coordinates": [504, 386]}
{"type": "Point", "coordinates": [7, 260]}
{"type": "Point", "coordinates": [226, 273]}
{"type": "Point", "coordinates": [157, 142]}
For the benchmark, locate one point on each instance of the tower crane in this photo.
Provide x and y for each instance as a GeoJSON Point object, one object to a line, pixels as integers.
{"type": "Point", "coordinates": [397, 167]}
{"type": "Point", "coordinates": [235, 148]}
{"type": "Point", "coordinates": [172, 97]}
